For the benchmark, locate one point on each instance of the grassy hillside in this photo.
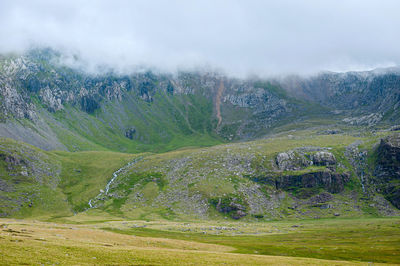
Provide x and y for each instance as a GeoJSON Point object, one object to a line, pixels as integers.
{"type": "Point", "coordinates": [168, 123]}
{"type": "Point", "coordinates": [83, 174]}
{"type": "Point", "coordinates": [188, 184]}
{"type": "Point", "coordinates": [229, 181]}
{"type": "Point", "coordinates": [29, 182]}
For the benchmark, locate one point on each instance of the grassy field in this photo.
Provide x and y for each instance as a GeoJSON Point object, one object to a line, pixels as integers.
{"type": "Point", "coordinates": [290, 243]}
{"type": "Point", "coordinates": [369, 240]}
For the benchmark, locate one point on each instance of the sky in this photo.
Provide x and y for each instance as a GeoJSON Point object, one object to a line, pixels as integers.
{"type": "Point", "coordinates": [238, 37]}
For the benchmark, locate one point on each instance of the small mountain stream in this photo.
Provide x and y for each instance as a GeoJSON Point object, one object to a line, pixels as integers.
{"type": "Point", "coordinates": [114, 177]}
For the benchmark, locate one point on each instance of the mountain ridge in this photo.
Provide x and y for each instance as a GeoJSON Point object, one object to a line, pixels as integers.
{"type": "Point", "coordinates": [43, 100]}
{"type": "Point", "coordinates": [213, 147]}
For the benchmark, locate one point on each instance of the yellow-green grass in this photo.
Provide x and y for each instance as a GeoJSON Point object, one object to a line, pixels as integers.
{"type": "Point", "coordinates": [32, 243]}
{"type": "Point", "coordinates": [369, 240]}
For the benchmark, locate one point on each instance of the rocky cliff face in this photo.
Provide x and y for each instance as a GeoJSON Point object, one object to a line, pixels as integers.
{"type": "Point", "coordinates": [387, 170]}
{"type": "Point", "coordinates": [303, 158]}
{"type": "Point", "coordinates": [366, 98]}
{"type": "Point", "coordinates": [36, 87]}
{"type": "Point", "coordinates": [99, 110]}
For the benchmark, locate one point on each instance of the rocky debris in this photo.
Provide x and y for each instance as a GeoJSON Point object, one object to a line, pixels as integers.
{"type": "Point", "coordinates": [260, 199]}
{"type": "Point", "coordinates": [238, 214]}
{"type": "Point", "coordinates": [387, 170]}
{"type": "Point", "coordinates": [358, 159]}
{"type": "Point", "coordinates": [12, 161]}
{"type": "Point", "coordinates": [231, 206]}
{"type": "Point", "coordinates": [383, 206]}
{"type": "Point", "coordinates": [369, 120]}
{"type": "Point", "coordinates": [31, 164]}
{"type": "Point", "coordinates": [5, 187]}
{"type": "Point", "coordinates": [321, 198]}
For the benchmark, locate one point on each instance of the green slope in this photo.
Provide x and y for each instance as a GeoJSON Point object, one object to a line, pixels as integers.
{"type": "Point", "coordinates": [168, 123]}
{"type": "Point", "coordinates": [191, 183]}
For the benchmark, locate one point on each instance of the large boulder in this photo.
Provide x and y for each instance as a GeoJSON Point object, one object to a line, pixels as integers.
{"type": "Point", "coordinates": [292, 161]}
{"type": "Point", "coordinates": [324, 158]}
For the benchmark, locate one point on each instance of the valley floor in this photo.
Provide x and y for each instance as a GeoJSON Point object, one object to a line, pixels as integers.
{"type": "Point", "coordinates": [88, 240]}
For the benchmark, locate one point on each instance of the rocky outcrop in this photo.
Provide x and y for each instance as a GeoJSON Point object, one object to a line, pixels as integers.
{"type": "Point", "coordinates": [329, 180]}
{"type": "Point", "coordinates": [12, 161]}
{"type": "Point", "coordinates": [301, 158]}
{"type": "Point", "coordinates": [387, 170]}
{"type": "Point", "coordinates": [369, 120]}
{"type": "Point", "coordinates": [13, 103]}
{"type": "Point", "coordinates": [130, 132]}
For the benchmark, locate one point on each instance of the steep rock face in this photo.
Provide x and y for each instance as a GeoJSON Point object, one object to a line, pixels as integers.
{"type": "Point", "coordinates": [366, 97]}
{"type": "Point", "coordinates": [12, 102]}
{"type": "Point", "coordinates": [97, 109]}
{"type": "Point", "coordinates": [387, 169]}
{"type": "Point", "coordinates": [328, 180]}
{"type": "Point", "coordinates": [302, 158]}
{"type": "Point", "coordinates": [306, 170]}
{"type": "Point", "coordinates": [37, 87]}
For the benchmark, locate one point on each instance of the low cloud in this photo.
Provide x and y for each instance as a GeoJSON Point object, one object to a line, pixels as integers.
{"type": "Point", "coordinates": [239, 37]}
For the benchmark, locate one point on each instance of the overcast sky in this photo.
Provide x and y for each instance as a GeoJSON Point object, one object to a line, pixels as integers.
{"type": "Point", "coordinates": [240, 37]}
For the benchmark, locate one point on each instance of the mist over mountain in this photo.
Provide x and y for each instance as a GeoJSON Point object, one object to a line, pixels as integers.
{"type": "Point", "coordinates": [256, 37]}
{"type": "Point", "coordinates": [147, 110]}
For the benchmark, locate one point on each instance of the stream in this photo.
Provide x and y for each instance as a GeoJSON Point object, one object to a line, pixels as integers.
{"type": "Point", "coordinates": [114, 176]}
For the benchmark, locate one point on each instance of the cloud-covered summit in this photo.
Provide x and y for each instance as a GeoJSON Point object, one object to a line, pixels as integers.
{"type": "Point", "coordinates": [240, 37]}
